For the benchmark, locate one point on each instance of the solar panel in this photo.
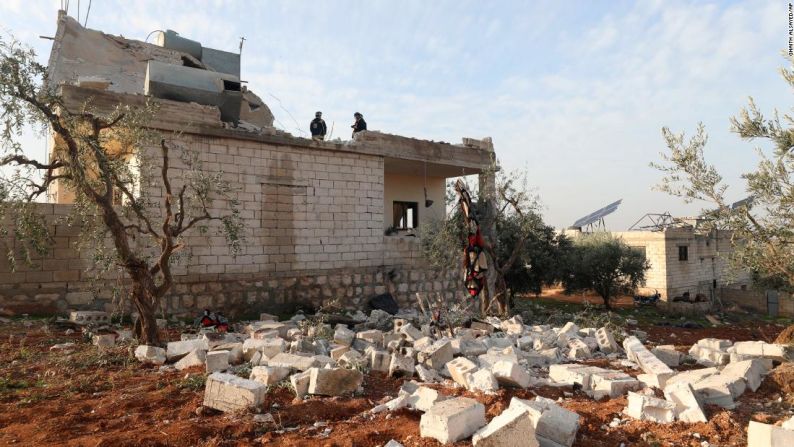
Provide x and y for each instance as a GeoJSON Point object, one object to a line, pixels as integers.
{"type": "Point", "coordinates": [597, 215]}
{"type": "Point", "coordinates": [746, 201]}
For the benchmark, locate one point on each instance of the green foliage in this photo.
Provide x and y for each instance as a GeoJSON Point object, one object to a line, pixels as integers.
{"type": "Point", "coordinates": [762, 232]}
{"type": "Point", "coordinates": [193, 382]}
{"type": "Point", "coordinates": [527, 251]}
{"type": "Point", "coordinates": [134, 201]}
{"type": "Point", "coordinates": [604, 264]}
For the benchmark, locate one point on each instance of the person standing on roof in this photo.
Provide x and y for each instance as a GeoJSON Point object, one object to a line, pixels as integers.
{"type": "Point", "coordinates": [359, 125]}
{"type": "Point", "coordinates": [318, 127]}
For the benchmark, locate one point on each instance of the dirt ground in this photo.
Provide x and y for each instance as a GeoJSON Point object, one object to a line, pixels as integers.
{"type": "Point", "coordinates": [92, 398]}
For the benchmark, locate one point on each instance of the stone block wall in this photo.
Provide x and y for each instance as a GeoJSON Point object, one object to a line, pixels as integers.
{"type": "Point", "coordinates": [314, 233]}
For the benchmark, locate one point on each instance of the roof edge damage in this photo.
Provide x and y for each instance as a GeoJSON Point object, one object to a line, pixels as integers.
{"type": "Point", "coordinates": [200, 92]}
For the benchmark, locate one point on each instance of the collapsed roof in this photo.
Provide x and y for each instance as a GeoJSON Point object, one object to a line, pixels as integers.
{"type": "Point", "coordinates": [172, 68]}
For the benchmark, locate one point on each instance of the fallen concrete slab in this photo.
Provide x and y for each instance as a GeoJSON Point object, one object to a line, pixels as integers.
{"type": "Point", "coordinates": [150, 354]}
{"type": "Point", "coordinates": [647, 408]}
{"type": "Point", "coordinates": [269, 375]}
{"type": "Point", "coordinates": [217, 361]}
{"type": "Point", "coordinates": [227, 392]}
{"type": "Point", "coordinates": [452, 420]}
{"type": "Point", "coordinates": [177, 349]}
{"type": "Point", "coordinates": [554, 426]}
{"type": "Point", "coordinates": [765, 435]}
{"type": "Point", "coordinates": [687, 406]}
{"type": "Point", "coordinates": [510, 374]}
{"type": "Point", "coordinates": [513, 427]}
{"type": "Point", "coordinates": [334, 381]}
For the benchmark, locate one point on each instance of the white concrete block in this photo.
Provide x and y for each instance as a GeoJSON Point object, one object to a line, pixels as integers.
{"type": "Point", "coordinates": [293, 361]}
{"type": "Point", "coordinates": [720, 390]}
{"type": "Point", "coordinates": [752, 371]}
{"type": "Point", "coordinates": [344, 336]}
{"type": "Point", "coordinates": [217, 361]}
{"type": "Point", "coordinates": [379, 361]}
{"type": "Point", "coordinates": [554, 425]}
{"type": "Point", "coordinates": [410, 332]}
{"type": "Point", "coordinates": [269, 347]}
{"type": "Point", "coordinates": [427, 375]}
{"type": "Point", "coordinates": [647, 408]}
{"type": "Point", "coordinates": [692, 376]}
{"type": "Point", "coordinates": [612, 384]}
{"type": "Point", "coordinates": [459, 368]}
{"type": "Point", "coordinates": [687, 406]}
{"type": "Point", "coordinates": [150, 354]}
{"type": "Point", "coordinates": [401, 366]}
{"type": "Point", "coordinates": [513, 427]}
{"type": "Point", "coordinates": [300, 383]}
{"type": "Point", "coordinates": [437, 354]}
{"type": "Point", "coordinates": [452, 420]}
{"type": "Point", "coordinates": [668, 355]}
{"type": "Point", "coordinates": [765, 435]}
{"type": "Point", "coordinates": [352, 359]}
{"type": "Point", "coordinates": [195, 358]}
{"type": "Point", "coordinates": [227, 392]}
{"type": "Point", "coordinates": [714, 343]}
{"type": "Point", "coordinates": [334, 381]}
{"type": "Point", "coordinates": [372, 336]}
{"type": "Point", "coordinates": [176, 349]}
{"type": "Point", "coordinates": [269, 375]}
{"type": "Point", "coordinates": [510, 374]}
{"type": "Point", "coordinates": [424, 398]}
{"type": "Point", "coordinates": [768, 350]}
{"type": "Point", "coordinates": [482, 380]}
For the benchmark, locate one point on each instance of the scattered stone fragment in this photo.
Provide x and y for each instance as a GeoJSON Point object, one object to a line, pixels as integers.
{"type": "Point", "coordinates": [460, 368]}
{"type": "Point", "coordinates": [401, 365]}
{"type": "Point", "coordinates": [343, 336]}
{"type": "Point", "coordinates": [227, 392]}
{"type": "Point", "coordinates": [720, 390]}
{"type": "Point", "coordinates": [438, 354]}
{"type": "Point", "coordinates": [687, 406]}
{"type": "Point", "coordinates": [668, 355]}
{"type": "Point", "coordinates": [104, 340]}
{"type": "Point", "coordinates": [217, 361]}
{"type": "Point", "coordinates": [427, 375]}
{"type": "Point", "coordinates": [767, 350]}
{"type": "Point", "coordinates": [765, 435]}
{"type": "Point", "coordinates": [423, 398]}
{"type": "Point", "coordinates": [752, 371]}
{"type": "Point", "coordinates": [611, 384]}
{"type": "Point", "coordinates": [647, 408]}
{"type": "Point", "coordinates": [482, 380]}
{"type": "Point", "coordinates": [269, 375]}
{"type": "Point", "coordinates": [452, 420]}
{"type": "Point", "coordinates": [269, 347]}
{"type": "Point", "coordinates": [177, 349]}
{"type": "Point", "coordinates": [554, 426]}
{"type": "Point", "coordinates": [195, 358]}
{"type": "Point", "coordinates": [150, 354]}
{"type": "Point", "coordinates": [379, 360]}
{"type": "Point", "coordinates": [300, 383]}
{"type": "Point", "coordinates": [334, 381]}
{"type": "Point", "coordinates": [512, 427]}
{"type": "Point", "coordinates": [293, 361]}
{"type": "Point", "coordinates": [510, 374]}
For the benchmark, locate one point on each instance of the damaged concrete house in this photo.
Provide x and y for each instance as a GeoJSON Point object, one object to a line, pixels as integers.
{"type": "Point", "coordinates": [316, 213]}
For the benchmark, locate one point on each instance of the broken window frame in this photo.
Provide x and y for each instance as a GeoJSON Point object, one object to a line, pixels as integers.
{"type": "Point", "coordinates": [400, 214]}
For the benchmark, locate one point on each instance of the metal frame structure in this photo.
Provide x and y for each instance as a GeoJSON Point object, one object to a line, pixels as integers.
{"type": "Point", "coordinates": [595, 220]}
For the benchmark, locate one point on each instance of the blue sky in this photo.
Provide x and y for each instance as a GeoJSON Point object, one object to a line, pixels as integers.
{"type": "Point", "coordinates": [575, 92]}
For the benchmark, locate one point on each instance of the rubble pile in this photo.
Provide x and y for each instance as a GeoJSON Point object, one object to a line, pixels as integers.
{"type": "Point", "coordinates": [322, 360]}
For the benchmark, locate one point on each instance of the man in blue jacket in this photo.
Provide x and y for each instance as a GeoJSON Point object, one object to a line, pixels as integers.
{"type": "Point", "coordinates": [318, 127]}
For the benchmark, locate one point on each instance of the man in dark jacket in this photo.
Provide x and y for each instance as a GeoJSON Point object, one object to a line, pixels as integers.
{"type": "Point", "coordinates": [359, 125]}
{"type": "Point", "coordinates": [318, 127]}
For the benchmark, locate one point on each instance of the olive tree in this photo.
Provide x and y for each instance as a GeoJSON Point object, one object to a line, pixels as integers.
{"type": "Point", "coordinates": [762, 228]}
{"type": "Point", "coordinates": [109, 162]}
{"type": "Point", "coordinates": [517, 253]}
{"type": "Point", "coordinates": [604, 264]}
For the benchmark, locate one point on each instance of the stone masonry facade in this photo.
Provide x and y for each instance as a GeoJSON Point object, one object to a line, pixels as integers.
{"type": "Point", "coordinates": [314, 221]}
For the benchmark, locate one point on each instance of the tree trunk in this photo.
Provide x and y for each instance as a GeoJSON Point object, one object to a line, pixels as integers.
{"type": "Point", "coordinates": [146, 303]}
{"type": "Point", "coordinates": [607, 306]}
